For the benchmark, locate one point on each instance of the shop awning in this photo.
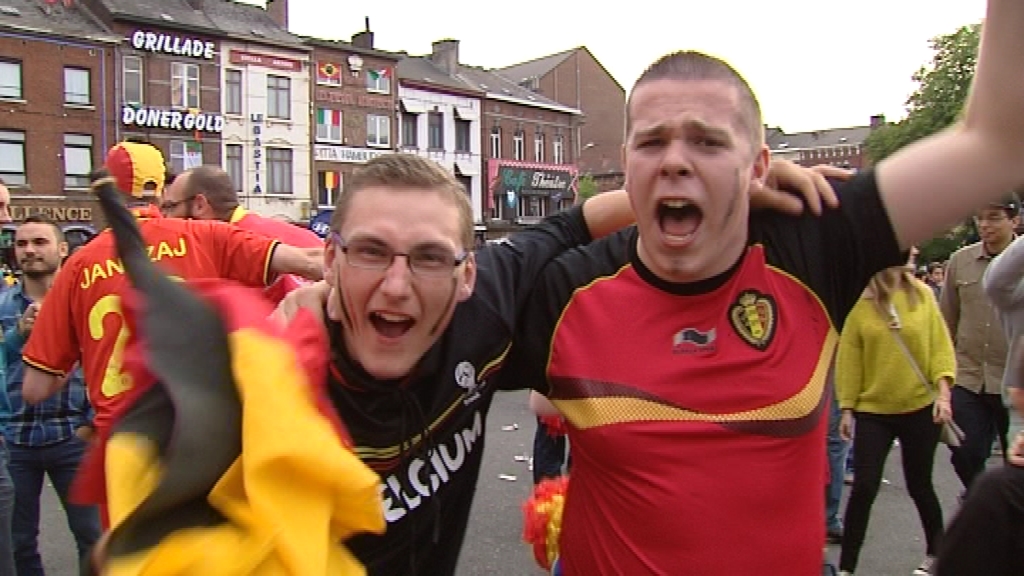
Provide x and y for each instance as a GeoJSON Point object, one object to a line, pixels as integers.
{"type": "Point", "coordinates": [466, 113]}
{"type": "Point", "coordinates": [467, 167]}
{"type": "Point", "coordinates": [413, 106]}
{"type": "Point", "coordinates": [529, 179]}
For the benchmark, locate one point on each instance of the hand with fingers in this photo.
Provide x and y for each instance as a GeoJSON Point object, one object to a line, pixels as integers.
{"type": "Point", "coordinates": [846, 426]}
{"type": "Point", "coordinates": [789, 188]}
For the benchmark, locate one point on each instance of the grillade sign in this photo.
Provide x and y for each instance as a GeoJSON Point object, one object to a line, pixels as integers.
{"type": "Point", "coordinates": [160, 43]}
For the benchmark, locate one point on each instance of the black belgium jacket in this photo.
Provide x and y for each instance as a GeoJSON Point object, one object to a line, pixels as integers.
{"type": "Point", "coordinates": [424, 434]}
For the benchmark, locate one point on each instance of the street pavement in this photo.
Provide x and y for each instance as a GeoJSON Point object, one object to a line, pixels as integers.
{"type": "Point", "coordinates": [894, 544]}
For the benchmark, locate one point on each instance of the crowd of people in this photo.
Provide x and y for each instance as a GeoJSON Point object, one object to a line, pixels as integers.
{"type": "Point", "coordinates": [685, 339]}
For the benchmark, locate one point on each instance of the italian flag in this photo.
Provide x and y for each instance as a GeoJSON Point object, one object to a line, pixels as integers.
{"type": "Point", "coordinates": [326, 117]}
{"type": "Point", "coordinates": [378, 74]}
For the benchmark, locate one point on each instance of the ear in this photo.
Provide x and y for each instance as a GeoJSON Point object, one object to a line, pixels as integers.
{"type": "Point", "coordinates": [622, 153]}
{"type": "Point", "coordinates": [762, 159]}
{"type": "Point", "coordinates": [467, 279]}
{"type": "Point", "coordinates": [330, 255]}
{"type": "Point", "coordinates": [200, 205]}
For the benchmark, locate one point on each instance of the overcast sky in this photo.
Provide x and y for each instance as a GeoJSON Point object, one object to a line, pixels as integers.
{"type": "Point", "coordinates": [814, 64]}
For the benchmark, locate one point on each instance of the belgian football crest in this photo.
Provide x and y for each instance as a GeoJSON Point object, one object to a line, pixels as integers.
{"type": "Point", "coordinates": [753, 316]}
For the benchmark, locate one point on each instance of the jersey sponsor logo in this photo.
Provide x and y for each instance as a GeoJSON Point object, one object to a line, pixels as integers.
{"type": "Point", "coordinates": [465, 377]}
{"type": "Point", "coordinates": [689, 340]}
{"type": "Point", "coordinates": [419, 479]}
{"type": "Point", "coordinates": [753, 316]}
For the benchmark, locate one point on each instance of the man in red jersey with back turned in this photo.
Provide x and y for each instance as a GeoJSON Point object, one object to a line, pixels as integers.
{"type": "Point", "coordinates": [82, 319]}
{"type": "Point", "coordinates": [207, 193]}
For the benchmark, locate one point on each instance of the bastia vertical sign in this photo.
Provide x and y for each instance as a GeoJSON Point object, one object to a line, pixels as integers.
{"type": "Point", "coordinates": [257, 151]}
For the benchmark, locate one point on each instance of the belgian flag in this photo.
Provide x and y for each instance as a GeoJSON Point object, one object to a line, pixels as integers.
{"type": "Point", "coordinates": [226, 458]}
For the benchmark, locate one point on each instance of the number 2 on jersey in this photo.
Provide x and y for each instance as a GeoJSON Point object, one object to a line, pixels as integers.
{"type": "Point", "coordinates": [114, 380]}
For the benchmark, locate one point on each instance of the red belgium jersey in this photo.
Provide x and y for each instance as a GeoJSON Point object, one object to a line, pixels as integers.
{"type": "Point", "coordinates": [82, 317]}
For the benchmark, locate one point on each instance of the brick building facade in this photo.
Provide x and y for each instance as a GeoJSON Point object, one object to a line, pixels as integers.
{"type": "Point", "coordinates": [440, 119]}
{"type": "Point", "coordinates": [168, 77]}
{"type": "Point", "coordinates": [525, 145]}
{"type": "Point", "coordinates": [57, 111]}
{"type": "Point", "coordinates": [842, 147]}
{"type": "Point", "coordinates": [355, 96]}
{"type": "Point", "coordinates": [531, 165]}
{"type": "Point", "coordinates": [575, 78]}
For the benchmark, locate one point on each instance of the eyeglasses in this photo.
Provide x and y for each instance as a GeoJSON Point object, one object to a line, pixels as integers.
{"type": "Point", "coordinates": [425, 261]}
{"type": "Point", "coordinates": [171, 205]}
{"type": "Point", "coordinates": [991, 217]}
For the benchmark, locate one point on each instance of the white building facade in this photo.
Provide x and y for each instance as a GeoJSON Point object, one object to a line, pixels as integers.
{"type": "Point", "coordinates": [266, 137]}
{"type": "Point", "coordinates": [446, 129]}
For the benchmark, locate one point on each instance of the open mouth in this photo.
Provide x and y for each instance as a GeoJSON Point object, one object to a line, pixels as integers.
{"type": "Point", "coordinates": [391, 325]}
{"type": "Point", "coordinates": [679, 219]}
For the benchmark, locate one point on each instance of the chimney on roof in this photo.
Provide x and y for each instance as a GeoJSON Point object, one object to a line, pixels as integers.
{"type": "Point", "coordinates": [445, 55]}
{"type": "Point", "coordinates": [364, 39]}
{"type": "Point", "coordinates": [277, 10]}
{"type": "Point", "coordinates": [877, 121]}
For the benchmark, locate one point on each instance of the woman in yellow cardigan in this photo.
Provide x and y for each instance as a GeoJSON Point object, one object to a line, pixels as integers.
{"type": "Point", "coordinates": [879, 388]}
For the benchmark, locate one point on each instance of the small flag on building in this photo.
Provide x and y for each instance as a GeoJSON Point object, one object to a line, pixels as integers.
{"type": "Point", "coordinates": [193, 155]}
{"type": "Point", "coordinates": [328, 73]}
{"type": "Point", "coordinates": [331, 180]}
{"type": "Point", "coordinates": [195, 113]}
{"type": "Point", "coordinates": [328, 117]}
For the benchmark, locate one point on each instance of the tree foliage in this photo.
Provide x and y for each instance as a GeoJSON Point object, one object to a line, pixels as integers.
{"type": "Point", "coordinates": [941, 92]}
{"type": "Point", "coordinates": [585, 187]}
{"type": "Point", "coordinates": [942, 87]}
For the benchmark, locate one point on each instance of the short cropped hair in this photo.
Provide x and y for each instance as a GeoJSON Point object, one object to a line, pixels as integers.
{"type": "Point", "coordinates": [58, 232]}
{"type": "Point", "coordinates": [216, 186]}
{"type": "Point", "coordinates": [694, 66]}
{"type": "Point", "coordinates": [407, 172]}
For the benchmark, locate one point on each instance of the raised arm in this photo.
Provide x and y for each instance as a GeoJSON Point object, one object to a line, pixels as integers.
{"type": "Point", "coordinates": [930, 185]}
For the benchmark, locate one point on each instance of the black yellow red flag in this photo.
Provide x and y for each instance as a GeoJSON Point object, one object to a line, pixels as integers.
{"type": "Point", "coordinates": [225, 459]}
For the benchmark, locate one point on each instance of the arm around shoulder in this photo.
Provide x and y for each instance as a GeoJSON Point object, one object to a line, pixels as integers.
{"type": "Point", "coordinates": [607, 212]}
{"type": "Point", "coordinates": [305, 262]}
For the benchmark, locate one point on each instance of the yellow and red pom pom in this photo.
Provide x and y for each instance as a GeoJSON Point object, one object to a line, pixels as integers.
{"type": "Point", "coordinates": [542, 519]}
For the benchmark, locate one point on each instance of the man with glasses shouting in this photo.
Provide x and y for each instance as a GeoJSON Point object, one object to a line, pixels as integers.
{"type": "Point", "coordinates": [980, 343]}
